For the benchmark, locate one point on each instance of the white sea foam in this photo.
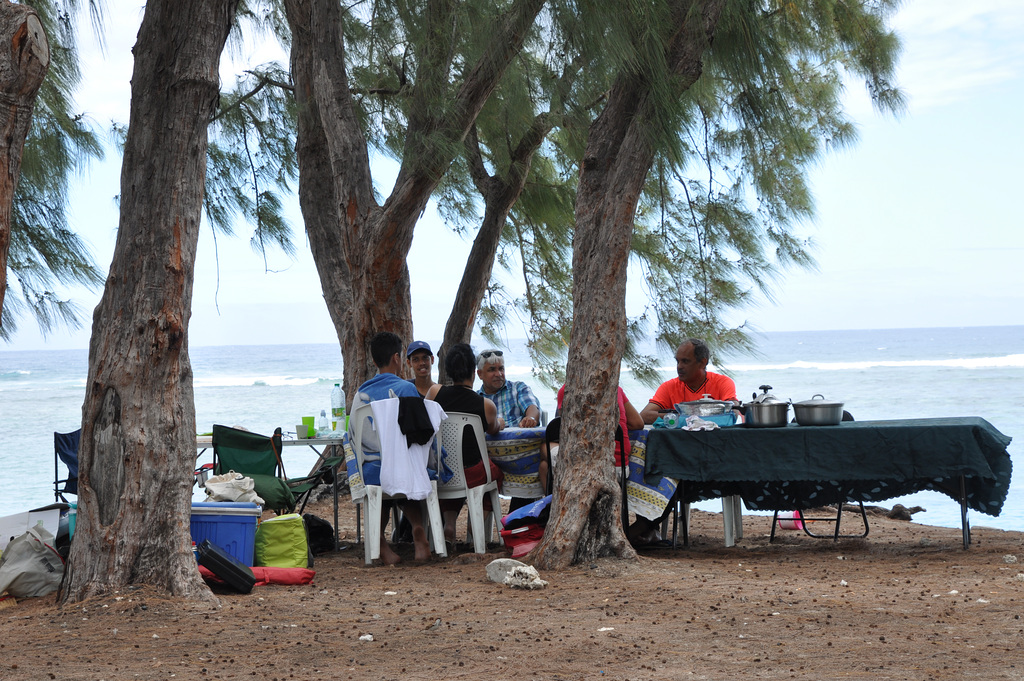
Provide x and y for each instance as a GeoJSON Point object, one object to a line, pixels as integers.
{"type": "Point", "coordinates": [244, 381]}
{"type": "Point", "coordinates": [1005, 362]}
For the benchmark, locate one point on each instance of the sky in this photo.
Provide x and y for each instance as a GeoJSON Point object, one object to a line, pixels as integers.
{"type": "Point", "coordinates": [917, 223]}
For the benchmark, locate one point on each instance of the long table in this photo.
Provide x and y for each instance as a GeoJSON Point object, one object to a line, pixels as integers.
{"type": "Point", "coordinates": [801, 467]}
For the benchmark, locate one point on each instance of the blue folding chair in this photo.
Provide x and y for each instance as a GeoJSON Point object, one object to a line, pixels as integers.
{"type": "Point", "coordinates": [65, 448]}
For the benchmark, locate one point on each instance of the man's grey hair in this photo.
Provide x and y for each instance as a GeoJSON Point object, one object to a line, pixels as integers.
{"type": "Point", "coordinates": [701, 351]}
{"type": "Point", "coordinates": [489, 356]}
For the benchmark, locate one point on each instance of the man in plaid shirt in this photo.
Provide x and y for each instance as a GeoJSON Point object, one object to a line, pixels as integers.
{"type": "Point", "coordinates": [516, 403]}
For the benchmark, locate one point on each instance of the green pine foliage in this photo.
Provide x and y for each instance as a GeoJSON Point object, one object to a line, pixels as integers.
{"type": "Point", "coordinates": [45, 252]}
{"type": "Point", "coordinates": [727, 202]}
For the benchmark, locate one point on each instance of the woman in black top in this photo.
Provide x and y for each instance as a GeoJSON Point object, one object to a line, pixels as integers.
{"type": "Point", "coordinates": [460, 363]}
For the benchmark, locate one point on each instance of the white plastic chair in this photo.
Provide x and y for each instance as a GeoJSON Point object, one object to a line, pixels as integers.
{"type": "Point", "coordinates": [359, 422]}
{"type": "Point", "coordinates": [732, 519]}
{"type": "Point", "coordinates": [451, 439]}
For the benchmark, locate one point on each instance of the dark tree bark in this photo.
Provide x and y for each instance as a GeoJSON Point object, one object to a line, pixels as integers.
{"type": "Point", "coordinates": [500, 195]}
{"type": "Point", "coordinates": [585, 521]}
{"type": "Point", "coordinates": [373, 240]}
{"type": "Point", "coordinates": [138, 421]}
{"type": "Point", "coordinates": [24, 60]}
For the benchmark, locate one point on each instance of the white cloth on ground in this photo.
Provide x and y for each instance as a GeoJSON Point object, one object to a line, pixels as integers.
{"type": "Point", "coordinates": [403, 468]}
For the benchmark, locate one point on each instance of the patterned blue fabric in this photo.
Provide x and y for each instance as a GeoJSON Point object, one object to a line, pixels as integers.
{"type": "Point", "coordinates": [371, 473]}
{"type": "Point", "coordinates": [512, 401]}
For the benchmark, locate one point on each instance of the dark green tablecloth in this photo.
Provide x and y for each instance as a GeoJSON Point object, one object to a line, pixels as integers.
{"type": "Point", "coordinates": [800, 467]}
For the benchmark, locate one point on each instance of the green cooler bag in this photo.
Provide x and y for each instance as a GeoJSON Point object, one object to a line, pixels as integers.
{"type": "Point", "coordinates": [281, 542]}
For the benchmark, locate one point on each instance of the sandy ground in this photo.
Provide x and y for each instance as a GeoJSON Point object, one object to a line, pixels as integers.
{"type": "Point", "coordinates": [905, 603]}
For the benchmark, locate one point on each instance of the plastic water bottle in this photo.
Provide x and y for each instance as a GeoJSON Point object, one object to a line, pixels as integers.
{"type": "Point", "coordinates": [338, 406]}
{"type": "Point", "coordinates": [322, 425]}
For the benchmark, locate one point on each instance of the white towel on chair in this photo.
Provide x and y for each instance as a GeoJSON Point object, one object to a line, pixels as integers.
{"type": "Point", "coordinates": [403, 469]}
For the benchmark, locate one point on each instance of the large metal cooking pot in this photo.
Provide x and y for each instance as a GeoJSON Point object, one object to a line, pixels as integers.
{"type": "Point", "coordinates": [817, 411]}
{"type": "Point", "coordinates": [705, 406]}
{"type": "Point", "coordinates": [765, 410]}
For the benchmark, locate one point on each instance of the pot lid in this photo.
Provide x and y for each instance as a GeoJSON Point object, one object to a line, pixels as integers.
{"type": "Point", "coordinates": [765, 397]}
{"type": "Point", "coordinates": [818, 400]}
{"type": "Point", "coordinates": [706, 400]}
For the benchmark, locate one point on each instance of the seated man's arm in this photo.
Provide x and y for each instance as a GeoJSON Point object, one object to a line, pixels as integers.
{"type": "Point", "coordinates": [531, 419]}
{"type": "Point", "coordinates": [662, 400]}
{"type": "Point", "coordinates": [530, 405]}
{"type": "Point", "coordinates": [650, 413]}
{"type": "Point", "coordinates": [494, 423]}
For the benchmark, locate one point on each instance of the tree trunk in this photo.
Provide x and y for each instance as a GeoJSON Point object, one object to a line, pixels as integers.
{"type": "Point", "coordinates": [24, 60]}
{"type": "Point", "coordinates": [499, 194]}
{"type": "Point", "coordinates": [373, 240]}
{"type": "Point", "coordinates": [585, 521]}
{"type": "Point", "coordinates": [138, 421]}
{"type": "Point", "coordinates": [317, 197]}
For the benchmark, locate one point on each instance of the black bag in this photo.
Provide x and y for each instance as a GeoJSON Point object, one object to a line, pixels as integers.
{"type": "Point", "coordinates": [234, 572]}
{"type": "Point", "coordinates": [319, 533]}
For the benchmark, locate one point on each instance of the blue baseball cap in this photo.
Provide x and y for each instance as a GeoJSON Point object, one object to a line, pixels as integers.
{"type": "Point", "coordinates": [418, 345]}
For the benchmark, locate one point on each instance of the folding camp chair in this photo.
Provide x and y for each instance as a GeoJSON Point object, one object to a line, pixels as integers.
{"type": "Point", "coordinates": [65, 448]}
{"type": "Point", "coordinates": [259, 457]}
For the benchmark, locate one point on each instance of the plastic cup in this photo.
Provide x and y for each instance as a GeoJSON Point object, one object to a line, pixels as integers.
{"type": "Point", "coordinates": [301, 431]}
{"type": "Point", "coordinates": [310, 423]}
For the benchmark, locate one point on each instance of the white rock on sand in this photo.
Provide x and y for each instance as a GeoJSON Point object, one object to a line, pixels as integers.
{"type": "Point", "coordinates": [515, 574]}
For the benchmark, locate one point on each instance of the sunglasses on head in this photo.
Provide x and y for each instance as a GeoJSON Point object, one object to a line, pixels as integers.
{"type": "Point", "coordinates": [491, 353]}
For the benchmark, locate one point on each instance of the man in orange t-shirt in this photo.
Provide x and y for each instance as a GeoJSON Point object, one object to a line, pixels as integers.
{"type": "Point", "coordinates": [693, 381]}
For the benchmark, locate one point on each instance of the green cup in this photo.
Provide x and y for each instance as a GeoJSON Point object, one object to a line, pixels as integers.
{"type": "Point", "coordinates": [310, 423]}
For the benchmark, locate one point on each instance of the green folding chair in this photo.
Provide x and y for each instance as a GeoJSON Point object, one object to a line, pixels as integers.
{"type": "Point", "coordinates": [259, 457]}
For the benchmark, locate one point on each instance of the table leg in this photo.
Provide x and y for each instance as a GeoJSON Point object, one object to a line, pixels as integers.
{"type": "Point", "coordinates": [839, 519]}
{"type": "Point", "coordinates": [964, 524]}
{"type": "Point", "coordinates": [737, 501]}
{"type": "Point", "coordinates": [677, 499]}
{"type": "Point", "coordinates": [337, 542]}
{"type": "Point", "coordinates": [729, 521]}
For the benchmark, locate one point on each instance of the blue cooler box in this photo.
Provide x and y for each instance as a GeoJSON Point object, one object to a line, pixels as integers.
{"type": "Point", "coordinates": [228, 524]}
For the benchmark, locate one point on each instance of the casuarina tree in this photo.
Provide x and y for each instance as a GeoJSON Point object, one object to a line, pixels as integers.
{"type": "Point", "coordinates": [664, 48]}
{"type": "Point", "coordinates": [138, 420]}
{"type": "Point", "coordinates": [24, 60]}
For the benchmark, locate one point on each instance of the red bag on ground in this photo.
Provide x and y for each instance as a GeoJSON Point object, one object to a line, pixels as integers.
{"type": "Point", "coordinates": [522, 539]}
{"type": "Point", "coordinates": [269, 575]}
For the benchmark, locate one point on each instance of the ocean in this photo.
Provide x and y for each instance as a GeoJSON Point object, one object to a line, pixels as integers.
{"type": "Point", "coordinates": [877, 374]}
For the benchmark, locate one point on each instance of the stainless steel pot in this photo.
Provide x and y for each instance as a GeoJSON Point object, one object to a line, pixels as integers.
{"type": "Point", "coordinates": [705, 406]}
{"type": "Point", "coordinates": [766, 414]}
{"type": "Point", "coordinates": [766, 411]}
{"type": "Point", "coordinates": [817, 411]}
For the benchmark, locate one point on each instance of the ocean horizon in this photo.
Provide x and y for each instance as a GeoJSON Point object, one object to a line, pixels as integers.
{"type": "Point", "coordinates": [877, 374]}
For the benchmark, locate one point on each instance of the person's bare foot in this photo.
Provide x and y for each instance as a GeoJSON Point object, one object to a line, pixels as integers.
{"type": "Point", "coordinates": [419, 540]}
{"type": "Point", "coordinates": [388, 555]}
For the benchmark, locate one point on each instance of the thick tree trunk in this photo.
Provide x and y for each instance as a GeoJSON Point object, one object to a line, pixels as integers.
{"type": "Point", "coordinates": [373, 240]}
{"type": "Point", "coordinates": [138, 421]}
{"type": "Point", "coordinates": [24, 60]}
{"type": "Point", "coordinates": [585, 521]}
